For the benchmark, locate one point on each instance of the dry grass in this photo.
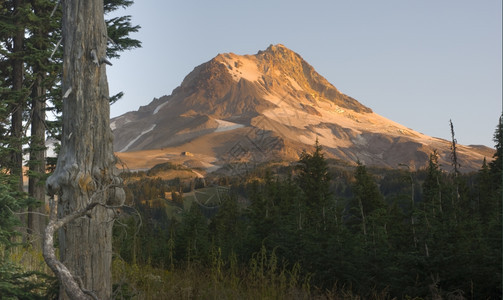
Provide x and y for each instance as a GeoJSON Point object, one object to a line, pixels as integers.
{"type": "Point", "coordinates": [263, 279]}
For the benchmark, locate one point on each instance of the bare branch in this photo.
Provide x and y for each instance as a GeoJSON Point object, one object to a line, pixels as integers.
{"type": "Point", "coordinates": [56, 48]}
{"type": "Point", "coordinates": [26, 212]}
{"type": "Point", "coordinates": [69, 282]}
{"type": "Point", "coordinates": [64, 275]}
{"type": "Point", "coordinates": [87, 292]}
{"type": "Point", "coordinates": [54, 9]}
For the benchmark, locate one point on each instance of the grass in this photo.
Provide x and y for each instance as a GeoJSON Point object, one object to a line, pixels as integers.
{"type": "Point", "coordinates": [263, 279]}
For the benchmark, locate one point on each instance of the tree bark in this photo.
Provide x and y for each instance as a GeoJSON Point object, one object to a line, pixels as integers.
{"type": "Point", "coordinates": [36, 189]}
{"type": "Point", "coordinates": [71, 287]}
{"type": "Point", "coordinates": [86, 161]}
{"type": "Point", "coordinates": [18, 105]}
{"type": "Point", "coordinates": [37, 163]}
{"type": "Point", "coordinates": [364, 222]}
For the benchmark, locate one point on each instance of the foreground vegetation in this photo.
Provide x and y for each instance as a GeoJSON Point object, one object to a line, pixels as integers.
{"type": "Point", "coordinates": [318, 229]}
{"type": "Point", "coordinates": [345, 230]}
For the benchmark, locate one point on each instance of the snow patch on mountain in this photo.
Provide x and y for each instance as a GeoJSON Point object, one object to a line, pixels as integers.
{"type": "Point", "coordinates": [113, 125]}
{"type": "Point", "coordinates": [241, 66]}
{"type": "Point", "coordinates": [156, 110]}
{"type": "Point", "coordinates": [294, 83]}
{"type": "Point", "coordinates": [137, 138]}
{"type": "Point", "coordinates": [226, 126]}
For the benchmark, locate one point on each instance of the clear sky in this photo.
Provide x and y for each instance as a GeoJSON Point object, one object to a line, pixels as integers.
{"type": "Point", "coordinates": [419, 63]}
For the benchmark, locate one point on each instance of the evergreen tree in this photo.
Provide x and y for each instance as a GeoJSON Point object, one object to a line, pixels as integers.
{"type": "Point", "coordinates": [192, 238]}
{"type": "Point", "coordinates": [431, 212]}
{"type": "Point", "coordinates": [485, 204]}
{"type": "Point", "coordinates": [314, 181]}
{"type": "Point", "coordinates": [366, 196]}
{"type": "Point", "coordinates": [226, 227]}
{"type": "Point", "coordinates": [493, 230]}
{"type": "Point", "coordinates": [44, 34]}
{"type": "Point", "coordinates": [496, 166]}
{"type": "Point", "coordinates": [13, 21]}
{"type": "Point", "coordinates": [14, 282]}
{"type": "Point", "coordinates": [432, 186]}
{"type": "Point", "coordinates": [258, 216]}
{"type": "Point", "coordinates": [455, 199]}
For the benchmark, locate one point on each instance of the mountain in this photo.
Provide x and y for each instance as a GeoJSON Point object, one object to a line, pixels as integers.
{"type": "Point", "coordinates": [269, 106]}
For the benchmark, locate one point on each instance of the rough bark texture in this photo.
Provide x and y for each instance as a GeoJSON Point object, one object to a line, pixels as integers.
{"type": "Point", "coordinates": [17, 107]}
{"type": "Point", "coordinates": [37, 164]}
{"type": "Point", "coordinates": [86, 161]}
{"type": "Point", "coordinates": [36, 189]}
{"type": "Point", "coordinates": [68, 281]}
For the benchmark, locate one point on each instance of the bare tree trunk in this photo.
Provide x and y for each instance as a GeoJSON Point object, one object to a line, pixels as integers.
{"type": "Point", "coordinates": [412, 214]}
{"type": "Point", "coordinates": [454, 156]}
{"type": "Point", "coordinates": [36, 189]}
{"type": "Point", "coordinates": [86, 161]}
{"type": "Point", "coordinates": [37, 164]}
{"type": "Point", "coordinates": [17, 107]}
{"type": "Point", "coordinates": [364, 222]}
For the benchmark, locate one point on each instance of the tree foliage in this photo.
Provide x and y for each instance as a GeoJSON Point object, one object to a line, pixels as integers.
{"type": "Point", "coordinates": [313, 180]}
{"type": "Point", "coordinates": [417, 242]}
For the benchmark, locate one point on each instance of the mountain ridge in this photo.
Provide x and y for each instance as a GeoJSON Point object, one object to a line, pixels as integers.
{"type": "Point", "coordinates": [273, 105]}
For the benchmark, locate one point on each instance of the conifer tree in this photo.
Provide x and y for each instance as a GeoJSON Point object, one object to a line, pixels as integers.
{"type": "Point", "coordinates": [496, 166]}
{"type": "Point", "coordinates": [13, 21]}
{"type": "Point", "coordinates": [226, 226]}
{"type": "Point", "coordinates": [44, 30]}
{"type": "Point", "coordinates": [432, 186]}
{"type": "Point", "coordinates": [314, 181]}
{"type": "Point", "coordinates": [259, 213]}
{"type": "Point", "coordinates": [432, 203]}
{"type": "Point", "coordinates": [366, 196]}
{"type": "Point", "coordinates": [485, 205]}
{"type": "Point", "coordinates": [193, 237]}
{"type": "Point", "coordinates": [14, 282]}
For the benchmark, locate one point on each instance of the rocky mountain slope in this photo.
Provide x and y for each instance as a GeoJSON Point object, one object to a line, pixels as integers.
{"type": "Point", "coordinates": [269, 106]}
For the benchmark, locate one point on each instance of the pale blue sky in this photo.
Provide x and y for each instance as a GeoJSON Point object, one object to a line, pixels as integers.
{"type": "Point", "coordinates": [419, 63]}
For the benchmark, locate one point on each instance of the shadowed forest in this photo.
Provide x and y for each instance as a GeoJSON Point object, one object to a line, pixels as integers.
{"type": "Point", "coordinates": [314, 229]}
{"type": "Point", "coordinates": [318, 228]}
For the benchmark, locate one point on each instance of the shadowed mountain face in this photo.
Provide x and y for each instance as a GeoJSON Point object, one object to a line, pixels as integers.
{"type": "Point", "coordinates": [271, 106]}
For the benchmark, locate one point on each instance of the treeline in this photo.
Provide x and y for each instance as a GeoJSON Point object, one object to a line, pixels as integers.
{"type": "Point", "coordinates": [399, 233]}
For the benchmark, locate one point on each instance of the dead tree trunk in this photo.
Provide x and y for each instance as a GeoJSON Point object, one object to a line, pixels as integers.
{"type": "Point", "coordinates": [86, 161]}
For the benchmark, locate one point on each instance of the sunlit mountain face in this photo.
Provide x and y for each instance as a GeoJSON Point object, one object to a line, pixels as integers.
{"type": "Point", "coordinates": [270, 106]}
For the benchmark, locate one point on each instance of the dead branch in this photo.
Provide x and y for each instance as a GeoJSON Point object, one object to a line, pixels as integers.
{"type": "Point", "coordinates": [64, 275]}
{"type": "Point", "coordinates": [70, 283]}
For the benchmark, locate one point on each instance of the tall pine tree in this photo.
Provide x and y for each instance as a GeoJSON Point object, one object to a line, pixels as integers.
{"type": "Point", "coordinates": [366, 196]}
{"type": "Point", "coordinates": [314, 181]}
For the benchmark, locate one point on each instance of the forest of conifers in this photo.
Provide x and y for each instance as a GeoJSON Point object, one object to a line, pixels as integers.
{"type": "Point", "coordinates": [318, 228]}
{"type": "Point", "coordinates": [376, 233]}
